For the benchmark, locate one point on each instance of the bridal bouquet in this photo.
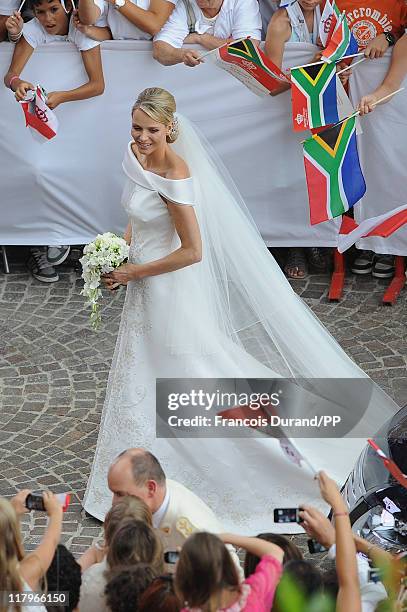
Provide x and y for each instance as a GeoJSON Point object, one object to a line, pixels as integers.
{"type": "Point", "coordinates": [103, 255]}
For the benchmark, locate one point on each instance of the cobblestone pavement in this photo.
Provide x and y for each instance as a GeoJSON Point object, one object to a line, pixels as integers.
{"type": "Point", "coordinates": [53, 372]}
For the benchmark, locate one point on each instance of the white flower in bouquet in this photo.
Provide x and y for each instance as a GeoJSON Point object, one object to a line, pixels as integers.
{"type": "Point", "coordinates": [103, 255]}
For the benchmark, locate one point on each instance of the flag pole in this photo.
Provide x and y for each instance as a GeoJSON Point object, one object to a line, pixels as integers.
{"type": "Point", "coordinates": [21, 6]}
{"type": "Point", "coordinates": [226, 44]}
{"type": "Point", "coordinates": [322, 61]}
{"type": "Point", "coordinates": [356, 113]}
{"type": "Point", "coordinates": [350, 66]}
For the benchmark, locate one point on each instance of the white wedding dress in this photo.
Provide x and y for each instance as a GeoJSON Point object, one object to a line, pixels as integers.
{"type": "Point", "coordinates": [174, 326]}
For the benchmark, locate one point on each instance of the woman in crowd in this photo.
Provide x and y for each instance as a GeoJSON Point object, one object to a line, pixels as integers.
{"type": "Point", "coordinates": [131, 20]}
{"type": "Point", "coordinates": [133, 542]}
{"type": "Point", "coordinates": [206, 578]}
{"type": "Point", "coordinates": [20, 572]}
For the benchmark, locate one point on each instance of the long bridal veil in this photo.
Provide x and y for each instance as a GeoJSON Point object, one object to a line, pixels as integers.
{"type": "Point", "coordinates": [238, 296]}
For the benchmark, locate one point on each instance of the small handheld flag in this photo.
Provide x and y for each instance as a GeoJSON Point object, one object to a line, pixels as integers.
{"type": "Point", "coordinates": [382, 225]}
{"type": "Point", "coordinates": [334, 177]}
{"type": "Point", "coordinates": [342, 43]}
{"type": "Point", "coordinates": [328, 22]}
{"type": "Point", "coordinates": [247, 63]}
{"type": "Point", "coordinates": [293, 454]}
{"type": "Point", "coordinates": [38, 117]}
{"type": "Point", "coordinates": [313, 95]}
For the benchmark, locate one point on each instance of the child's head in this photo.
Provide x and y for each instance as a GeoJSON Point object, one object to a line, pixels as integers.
{"type": "Point", "coordinates": [204, 569]}
{"type": "Point", "coordinates": [291, 551]}
{"type": "Point", "coordinates": [309, 5]}
{"type": "Point", "coordinates": [160, 597]}
{"type": "Point", "coordinates": [52, 15]}
{"type": "Point", "coordinates": [126, 585]}
{"type": "Point", "coordinates": [135, 542]}
{"type": "Point", "coordinates": [127, 507]}
{"type": "Point", "coordinates": [64, 574]}
{"type": "Point", "coordinates": [11, 548]}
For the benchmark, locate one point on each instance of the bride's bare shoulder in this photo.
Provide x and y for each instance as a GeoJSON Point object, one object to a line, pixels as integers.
{"type": "Point", "coordinates": [178, 169]}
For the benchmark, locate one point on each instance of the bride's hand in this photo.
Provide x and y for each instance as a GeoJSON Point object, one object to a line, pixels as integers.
{"type": "Point", "coordinates": [121, 276]}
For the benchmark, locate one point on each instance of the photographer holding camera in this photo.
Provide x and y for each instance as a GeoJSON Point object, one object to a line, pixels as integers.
{"type": "Point", "coordinates": [20, 572]}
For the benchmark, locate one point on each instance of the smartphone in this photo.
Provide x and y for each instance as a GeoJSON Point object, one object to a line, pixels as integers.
{"type": "Point", "coordinates": [287, 515]}
{"type": "Point", "coordinates": [171, 557]}
{"type": "Point", "coordinates": [34, 501]}
{"type": "Point", "coordinates": [315, 547]}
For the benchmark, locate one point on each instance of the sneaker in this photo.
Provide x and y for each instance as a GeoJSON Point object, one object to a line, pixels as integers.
{"type": "Point", "coordinates": [57, 254]}
{"type": "Point", "coordinates": [363, 263]}
{"type": "Point", "coordinates": [383, 266]}
{"type": "Point", "coordinates": [40, 268]}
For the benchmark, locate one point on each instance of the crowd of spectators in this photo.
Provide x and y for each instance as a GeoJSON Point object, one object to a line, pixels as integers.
{"type": "Point", "coordinates": [175, 25]}
{"type": "Point", "coordinates": [137, 566]}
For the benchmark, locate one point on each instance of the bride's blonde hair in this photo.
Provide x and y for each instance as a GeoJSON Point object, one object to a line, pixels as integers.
{"type": "Point", "coordinates": [160, 105]}
{"type": "Point", "coordinates": [11, 552]}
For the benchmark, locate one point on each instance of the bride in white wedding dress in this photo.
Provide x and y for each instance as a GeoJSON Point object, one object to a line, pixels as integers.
{"type": "Point", "coordinates": [205, 299]}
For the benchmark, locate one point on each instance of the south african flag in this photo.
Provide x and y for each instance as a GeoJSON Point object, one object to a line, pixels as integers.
{"type": "Point", "coordinates": [313, 95]}
{"type": "Point", "coordinates": [246, 62]}
{"type": "Point", "coordinates": [334, 177]}
{"type": "Point", "coordinates": [342, 43]}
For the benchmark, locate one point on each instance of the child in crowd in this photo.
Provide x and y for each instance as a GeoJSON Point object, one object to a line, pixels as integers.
{"type": "Point", "coordinates": [291, 552]}
{"type": "Point", "coordinates": [130, 20]}
{"type": "Point", "coordinates": [51, 23]}
{"type": "Point", "coordinates": [376, 26]}
{"type": "Point", "coordinates": [126, 586]}
{"type": "Point", "coordinates": [296, 22]}
{"type": "Point", "coordinates": [206, 576]}
{"type": "Point", "coordinates": [63, 575]}
{"type": "Point", "coordinates": [160, 596]}
{"type": "Point", "coordinates": [18, 571]}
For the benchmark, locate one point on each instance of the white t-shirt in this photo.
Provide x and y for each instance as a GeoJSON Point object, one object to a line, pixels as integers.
{"type": "Point", "coordinates": [7, 7]}
{"type": "Point", "coordinates": [35, 35]}
{"type": "Point", "coordinates": [122, 28]}
{"type": "Point", "coordinates": [236, 19]}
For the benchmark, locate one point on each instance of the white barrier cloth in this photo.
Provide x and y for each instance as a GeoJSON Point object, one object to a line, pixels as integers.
{"type": "Point", "coordinates": [68, 190]}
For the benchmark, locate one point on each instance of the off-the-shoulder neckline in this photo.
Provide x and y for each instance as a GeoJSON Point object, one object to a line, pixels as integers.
{"type": "Point", "coordinates": [188, 178]}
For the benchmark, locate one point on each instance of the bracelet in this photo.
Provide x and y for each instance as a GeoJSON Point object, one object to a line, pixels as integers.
{"type": "Point", "coordinates": [341, 514]}
{"type": "Point", "coordinates": [13, 78]}
{"type": "Point", "coordinates": [15, 39]}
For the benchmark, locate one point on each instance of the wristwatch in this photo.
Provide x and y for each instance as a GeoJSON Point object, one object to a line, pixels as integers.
{"type": "Point", "coordinates": [388, 36]}
{"type": "Point", "coordinates": [119, 3]}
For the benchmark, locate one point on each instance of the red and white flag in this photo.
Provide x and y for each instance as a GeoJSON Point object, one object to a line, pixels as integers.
{"type": "Point", "coordinates": [293, 454]}
{"type": "Point", "coordinates": [383, 226]}
{"type": "Point", "coordinates": [390, 465]}
{"type": "Point", "coordinates": [38, 117]}
{"type": "Point", "coordinates": [328, 22]}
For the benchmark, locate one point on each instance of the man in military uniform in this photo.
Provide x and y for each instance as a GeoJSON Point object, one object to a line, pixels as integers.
{"type": "Point", "coordinates": [177, 511]}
